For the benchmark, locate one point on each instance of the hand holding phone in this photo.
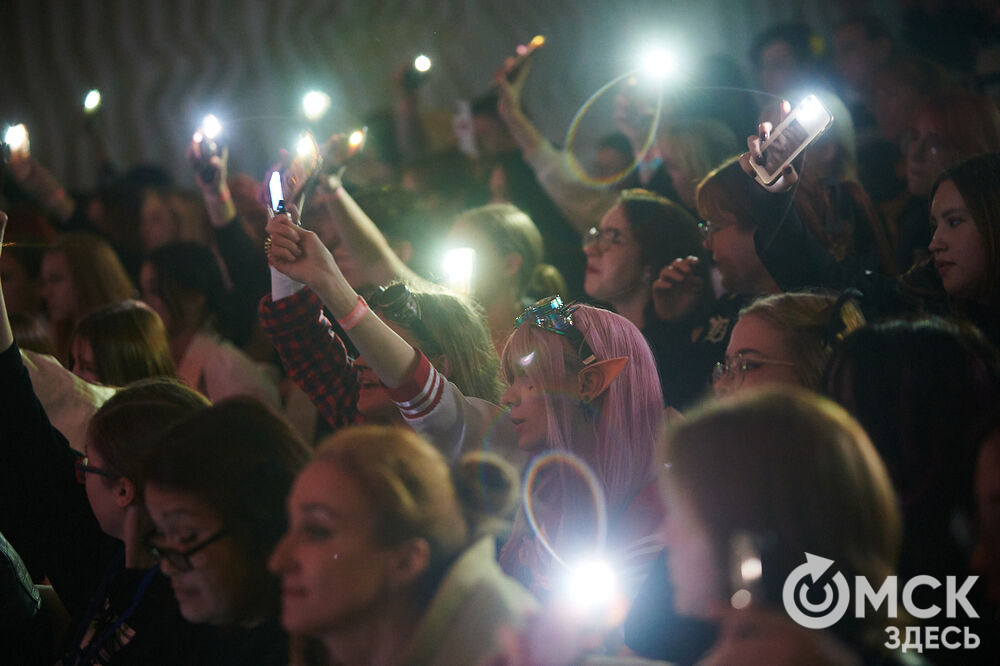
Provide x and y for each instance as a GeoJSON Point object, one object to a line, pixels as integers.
{"type": "Point", "coordinates": [513, 66]}
{"type": "Point", "coordinates": [201, 153]}
{"type": "Point", "coordinates": [806, 122]}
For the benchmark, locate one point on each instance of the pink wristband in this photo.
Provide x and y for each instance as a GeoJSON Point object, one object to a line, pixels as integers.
{"type": "Point", "coordinates": [354, 318]}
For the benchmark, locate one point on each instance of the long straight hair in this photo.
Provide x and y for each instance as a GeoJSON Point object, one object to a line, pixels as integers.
{"type": "Point", "coordinates": [625, 421]}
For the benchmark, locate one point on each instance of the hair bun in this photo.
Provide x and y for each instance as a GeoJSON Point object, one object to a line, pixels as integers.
{"type": "Point", "coordinates": [487, 487]}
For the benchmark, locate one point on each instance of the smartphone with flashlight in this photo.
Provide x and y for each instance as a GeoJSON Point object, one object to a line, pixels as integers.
{"type": "Point", "coordinates": [524, 51]}
{"type": "Point", "coordinates": [806, 122]}
{"type": "Point", "coordinates": [277, 198]}
{"type": "Point", "coordinates": [205, 150]}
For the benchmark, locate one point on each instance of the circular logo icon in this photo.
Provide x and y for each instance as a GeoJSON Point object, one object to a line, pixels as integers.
{"type": "Point", "coordinates": [806, 578]}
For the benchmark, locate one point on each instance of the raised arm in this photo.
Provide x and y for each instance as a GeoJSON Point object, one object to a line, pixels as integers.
{"type": "Point", "coordinates": [299, 254]}
{"type": "Point", "coordinates": [582, 205]}
{"type": "Point", "coordinates": [6, 335]}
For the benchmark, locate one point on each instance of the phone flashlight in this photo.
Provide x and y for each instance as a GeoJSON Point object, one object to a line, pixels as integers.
{"type": "Point", "coordinates": [16, 138]}
{"type": "Point", "coordinates": [458, 265]}
{"type": "Point", "coordinates": [524, 51]}
{"type": "Point", "coordinates": [591, 585]}
{"type": "Point", "coordinates": [356, 139]}
{"type": "Point", "coordinates": [315, 103]}
{"type": "Point", "coordinates": [660, 64]}
{"type": "Point", "coordinates": [211, 126]}
{"type": "Point", "coordinates": [277, 196]}
{"type": "Point", "coordinates": [422, 63]}
{"type": "Point", "coordinates": [92, 101]}
{"type": "Point", "coordinates": [305, 147]}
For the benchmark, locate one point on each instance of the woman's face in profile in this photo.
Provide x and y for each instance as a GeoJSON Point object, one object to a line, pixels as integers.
{"type": "Point", "coordinates": [928, 154]}
{"type": "Point", "coordinates": [57, 288]}
{"type": "Point", "coordinates": [212, 578]}
{"type": "Point", "coordinates": [333, 573]}
{"type": "Point", "coordinates": [958, 246]}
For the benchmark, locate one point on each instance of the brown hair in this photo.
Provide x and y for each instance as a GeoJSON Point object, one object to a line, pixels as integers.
{"type": "Point", "coordinates": [794, 467]}
{"type": "Point", "coordinates": [811, 323]}
{"type": "Point", "coordinates": [663, 229]}
{"type": "Point", "coordinates": [126, 426]}
{"type": "Point", "coordinates": [513, 232]}
{"type": "Point", "coordinates": [97, 273]}
{"type": "Point", "coordinates": [239, 458]}
{"type": "Point", "coordinates": [970, 122]}
{"type": "Point", "coordinates": [128, 341]}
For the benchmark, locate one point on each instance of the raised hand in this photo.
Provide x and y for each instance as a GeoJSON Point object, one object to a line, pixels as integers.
{"type": "Point", "coordinates": [678, 289]}
{"type": "Point", "coordinates": [788, 177]}
{"type": "Point", "coordinates": [299, 253]}
{"type": "Point", "coordinates": [210, 170]}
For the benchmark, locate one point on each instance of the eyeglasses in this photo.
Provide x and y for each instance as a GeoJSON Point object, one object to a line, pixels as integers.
{"type": "Point", "coordinates": [735, 370]}
{"type": "Point", "coordinates": [551, 315]}
{"type": "Point", "coordinates": [83, 469]}
{"type": "Point", "coordinates": [604, 238]}
{"type": "Point", "coordinates": [706, 229]}
{"type": "Point", "coordinates": [180, 559]}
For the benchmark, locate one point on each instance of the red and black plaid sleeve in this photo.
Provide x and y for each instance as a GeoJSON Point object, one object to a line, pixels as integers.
{"type": "Point", "coordinates": [314, 357]}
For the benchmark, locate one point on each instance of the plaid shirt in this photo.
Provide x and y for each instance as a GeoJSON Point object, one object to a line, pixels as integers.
{"type": "Point", "coordinates": [314, 357]}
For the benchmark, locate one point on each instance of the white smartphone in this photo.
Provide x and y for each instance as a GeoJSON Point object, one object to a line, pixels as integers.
{"type": "Point", "coordinates": [806, 122]}
{"type": "Point", "coordinates": [277, 197]}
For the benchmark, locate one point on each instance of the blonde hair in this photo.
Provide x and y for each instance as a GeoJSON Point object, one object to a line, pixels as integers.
{"type": "Point", "coordinates": [794, 467]}
{"type": "Point", "coordinates": [511, 231]}
{"type": "Point", "coordinates": [811, 324]}
{"type": "Point", "coordinates": [415, 494]}
{"type": "Point", "coordinates": [458, 331]}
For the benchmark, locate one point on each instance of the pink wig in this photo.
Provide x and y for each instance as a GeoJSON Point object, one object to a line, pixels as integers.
{"type": "Point", "coordinates": [625, 421]}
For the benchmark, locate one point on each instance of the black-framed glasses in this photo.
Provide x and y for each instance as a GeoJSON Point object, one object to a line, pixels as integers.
{"type": "Point", "coordinates": [735, 370]}
{"type": "Point", "coordinates": [181, 559]}
{"type": "Point", "coordinates": [604, 238]}
{"type": "Point", "coordinates": [83, 469]}
{"type": "Point", "coordinates": [550, 314]}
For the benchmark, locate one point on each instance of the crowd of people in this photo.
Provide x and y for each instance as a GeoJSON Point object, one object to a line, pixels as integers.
{"type": "Point", "coordinates": [644, 388]}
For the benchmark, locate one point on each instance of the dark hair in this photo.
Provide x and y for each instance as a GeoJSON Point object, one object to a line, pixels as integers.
{"type": "Point", "coordinates": [663, 229]}
{"type": "Point", "coordinates": [796, 35]}
{"type": "Point", "coordinates": [239, 458]}
{"type": "Point", "coordinates": [978, 181]}
{"type": "Point", "coordinates": [922, 390]}
{"type": "Point", "coordinates": [619, 143]}
{"type": "Point", "coordinates": [125, 428]}
{"type": "Point", "coordinates": [184, 270]}
{"type": "Point", "coordinates": [128, 341]}
{"type": "Point", "coordinates": [873, 26]}
{"type": "Point", "coordinates": [729, 189]}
